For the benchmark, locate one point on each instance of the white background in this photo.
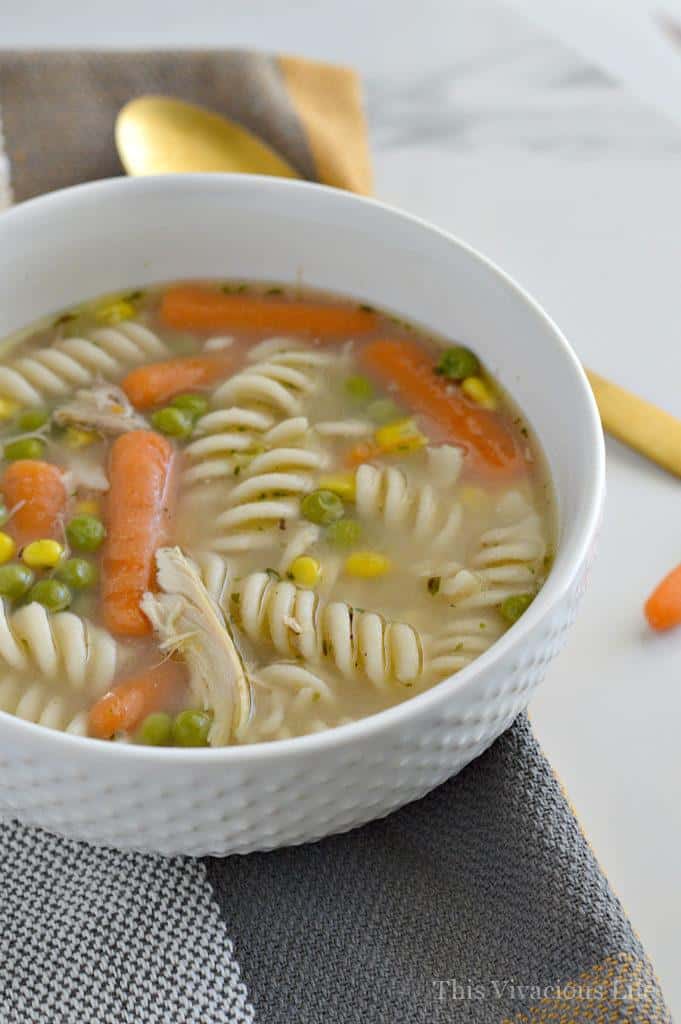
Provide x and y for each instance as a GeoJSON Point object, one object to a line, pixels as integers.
{"type": "Point", "coordinates": [489, 128]}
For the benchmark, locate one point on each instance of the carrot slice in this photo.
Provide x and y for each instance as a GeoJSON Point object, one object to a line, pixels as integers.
{"type": "Point", "coordinates": [139, 510]}
{"type": "Point", "coordinates": [123, 708]}
{"type": "Point", "coordinates": [159, 382]}
{"type": "Point", "coordinates": [192, 308]}
{"type": "Point", "coordinates": [408, 370]}
{"type": "Point", "coordinates": [663, 607]}
{"type": "Point", "coordinates": [36, 491]}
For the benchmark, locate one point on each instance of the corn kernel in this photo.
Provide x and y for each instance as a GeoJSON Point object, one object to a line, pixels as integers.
{"type": "Point", "coordinates": [400, 436]}
{"type": "Point", "coordinates": [367, 564]}
{"type": "Point", "coordinates": [474, 498]}
{"type": "Point", "coordinates": [342, 484]}
{"type": "Point", "coordinates": [77, 438]}
{"type": "Point", "coordinates": [115, 312]}
{"type": "Point", "coordinates": [479, 391]}
{"type": "Point", "coordinates": [7, 547]}
{"type": "Point", "coordinates": [305, 570]}
{"type": "Point", "coordinates": [87, 508]}
{"type": "Point", "coordinates": [8, 408]}
{"type": "Point", "coordinates": [42, 554]}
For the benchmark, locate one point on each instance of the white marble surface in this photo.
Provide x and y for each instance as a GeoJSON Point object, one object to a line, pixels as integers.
{"type": "Point", "coordinates": [497, 133]}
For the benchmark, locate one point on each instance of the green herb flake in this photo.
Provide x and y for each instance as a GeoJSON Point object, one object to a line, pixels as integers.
{"type": "Point", "coordinates": [434, 584]}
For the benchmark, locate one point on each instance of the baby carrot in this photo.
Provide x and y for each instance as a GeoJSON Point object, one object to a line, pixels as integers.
{"type": "Point", "coordinates": [663, 607]}
{"type": "Point", "coordinates": [192, 308]}
{"type": "Point", "coordinates": [35, 491]}
{"type": "Point", "coordinates": [123, 708]}
{"type": "Point", "coordinates": [139, 505]}
{"type": "Point", "coordinates": [404, 367]}
{"type": "Point", "coordinates": [159, 382]}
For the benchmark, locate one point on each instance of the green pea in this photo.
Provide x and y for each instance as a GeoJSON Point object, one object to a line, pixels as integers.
{"type": "Point", "coordinates": [322, 507]}
{"type": "Point", "coordinates": [174, 422]}
{"type": "Point", "coordinates": [383, 410]}
{"type": "Point", "coordinates": [513, 607]}
{"type": "Point", "coordinates": [156, 730]}
{"type": "Point", "coordinates": [78, 573]}
{"type": "Point", "coordinates": [85, 533]}
{"type": "Point", "coordinates": [15, 581]}
{"type": "Point", "coordinates": [195, 405]}
{"type": "Point", "coordinates": [33, 419]}
{"type": "Point", "coordinates": [344, 533]}
{"type": "Point", "coordinates": [52, 594]}
{"type": "Point", "coordinates": [359, 388]}
{"type": "Point", "coordinates": [458, 362]}
{"type": "Point", "coordinates": [190, 729]}
{"type": "Point", "coordinates": [27, 448]}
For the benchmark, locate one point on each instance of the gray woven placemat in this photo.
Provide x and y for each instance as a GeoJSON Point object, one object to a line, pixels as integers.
{"type": "Point", "coordinates": [482, 902]}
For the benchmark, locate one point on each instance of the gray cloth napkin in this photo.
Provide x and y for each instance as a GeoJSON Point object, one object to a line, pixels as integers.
{"type": "Point", "coordinates": [482, 902]}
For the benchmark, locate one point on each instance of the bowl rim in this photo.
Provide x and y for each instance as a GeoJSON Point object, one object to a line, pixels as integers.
{"type": "Point", "coordinates": [553, 591]}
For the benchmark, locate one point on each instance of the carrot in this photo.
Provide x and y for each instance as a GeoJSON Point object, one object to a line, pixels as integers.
{"type": "Point", "coordinates": [359, 453]}
{"type": "Point", "coordinates": [36, 491]}
{"type": "Point", "coordinates": [192, 308]}
{"type": "Point", "coordinates": [139, 508]}
{"type": "Point", "coordinates": [663, 607]}
{"type": "Point", "coordinates": [123, 708]}
{"type": "Point", "coordinates": [157, 383]}
{"type": "Point", "coordinates": [408, 371]}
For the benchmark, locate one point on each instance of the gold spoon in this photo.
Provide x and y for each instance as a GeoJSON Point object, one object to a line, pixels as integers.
{"type": "Point", "coordinates": [639, 424]}
{"type": "Point", "coordinates": [160, 135]}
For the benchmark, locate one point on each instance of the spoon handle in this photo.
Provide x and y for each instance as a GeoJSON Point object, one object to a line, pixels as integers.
{"type": "Point", "coordinates": [638, 424]}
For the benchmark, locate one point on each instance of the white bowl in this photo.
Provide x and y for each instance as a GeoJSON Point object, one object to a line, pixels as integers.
{"type": "Point", "coordinates": [60, 249]}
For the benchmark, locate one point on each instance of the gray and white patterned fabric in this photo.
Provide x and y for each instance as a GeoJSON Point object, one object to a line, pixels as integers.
{"type": "Point", "coordinates": [482, 902]}
{"type": "Point", "coordinates": [115, 938]}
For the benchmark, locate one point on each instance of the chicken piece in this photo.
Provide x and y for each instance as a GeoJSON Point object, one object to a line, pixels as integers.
{"type": "Point", "coordinates": [189, 622]}
{"type": "Point", "coordinates": [104, 409]}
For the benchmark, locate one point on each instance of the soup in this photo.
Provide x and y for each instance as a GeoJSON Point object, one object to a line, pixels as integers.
{"type": "Point", "coordinates": [237, 513]}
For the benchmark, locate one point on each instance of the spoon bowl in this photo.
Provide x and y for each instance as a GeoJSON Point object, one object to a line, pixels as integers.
{"type": "Point", "coordinates": [161, 135]}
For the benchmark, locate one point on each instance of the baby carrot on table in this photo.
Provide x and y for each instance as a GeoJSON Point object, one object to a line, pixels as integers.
{"type": "Point", "coordinates": [663, 607]}
{"type": "Point", "coordinates": [35, 491]}
{"type": "Point", "coordinates": [152, 385]}
{"type": "Point", "coordinates": [139, 509]}
{"type": "Point", "coordinates": [193, 308]}
{"type": "Point", "coordinates": [409, 372]}
{"type": "Point", "coordinates": [123, 708]}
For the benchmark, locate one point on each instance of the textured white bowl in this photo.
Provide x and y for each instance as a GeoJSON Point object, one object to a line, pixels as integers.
{"type": "Point", "coordinates": [62, 248]}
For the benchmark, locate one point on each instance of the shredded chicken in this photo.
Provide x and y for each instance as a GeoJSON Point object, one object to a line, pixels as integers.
{"type": "Point", "coordinates": [105, 409]}
{"type": "Point", "coordinates": [83, 471]}
{"type": "Point", "coordinates": [190, 623]}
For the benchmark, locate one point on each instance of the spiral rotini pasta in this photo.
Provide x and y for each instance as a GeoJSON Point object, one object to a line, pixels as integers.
{"type": "Point", "coordinates": [297, 624]}
{"type": "Point", "coordinates": [260, 407]}
{"type": "Point", "coordinates": [61, 646]}
{"type": "Point", "coordinates": [507, 562]}
{"type": "Point", "coordinates": [266, 499]}
{"type": "Point", "coordinates": [36, 703]}
{"type": "Point", "coordinates": [385, 494]}
{"type": "Point", "coordinates": [462, 640]}
{"type": "Point", "coordinates": [59, 369]}
{"type": "Point", "coordinates": [291, 700]}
